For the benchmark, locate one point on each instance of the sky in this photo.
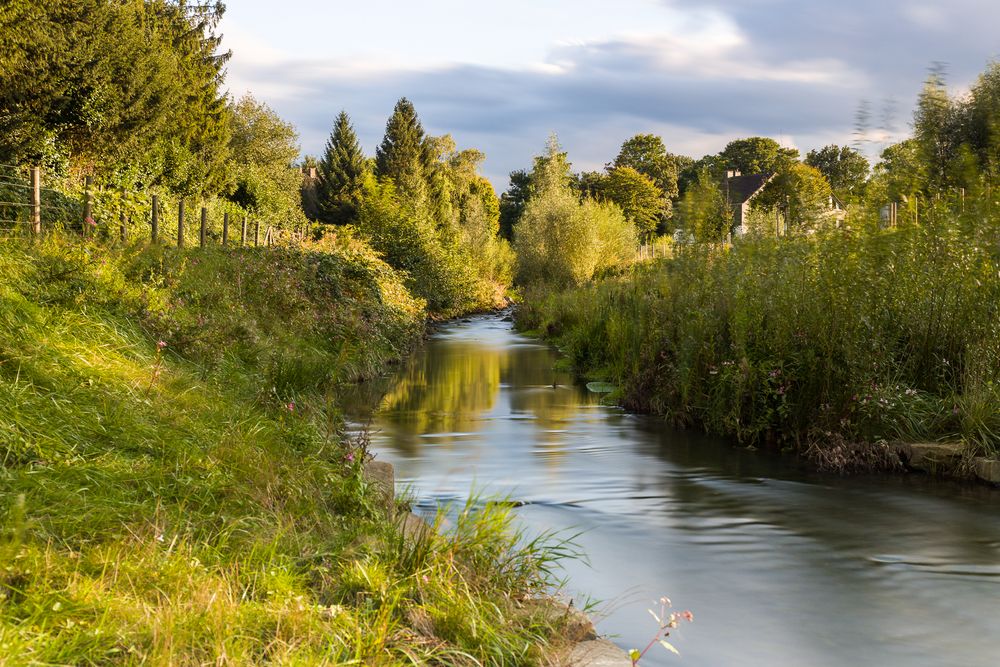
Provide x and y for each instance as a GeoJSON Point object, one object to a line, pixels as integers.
{"type": "Point", "coordinates": [503, 76]}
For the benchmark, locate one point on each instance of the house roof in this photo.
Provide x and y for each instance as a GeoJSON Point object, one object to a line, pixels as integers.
{"type": "Point", "coordinates": [741, 189]}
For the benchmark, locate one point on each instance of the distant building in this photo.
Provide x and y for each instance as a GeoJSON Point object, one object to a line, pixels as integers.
{"type": "Point", "coordinates": [740, 191]}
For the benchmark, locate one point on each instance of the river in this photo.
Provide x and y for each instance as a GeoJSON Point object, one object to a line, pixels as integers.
{"type": "Point", "coordinates": [779, 566]}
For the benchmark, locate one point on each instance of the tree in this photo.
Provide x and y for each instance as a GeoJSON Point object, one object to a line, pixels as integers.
{"type": "Point", "coordinates": [131, 91]}
{"type": "Point", "coordinates": [638, 197]}
{"type": "Point", "coordinates": [806, 195]}
{"type": "Point", "coordinates": [342, 173]}
{"type": "Point", "coordinates": [844, 167]}
{"type": "Point", "coordinates": [646, 154]}
{"type": "Point", "coordinates": [513, 201]}
{"type": "Point", "coordinates": [703, 211]}
{"type": "Point", "coordinates": [401, 156]}
{"type": "Point", "coordinates": [437, 155]}
{"type": "Point", "coordinates": [559, 239]}
{"type": "Point", "coordinates": [757, 155]}
{"type": "Point", "coordinates": [934, 131]}
{"type": "Point", "coordinates": [982, 120]}
{"type": "Point", "coordinates": [263, 150]}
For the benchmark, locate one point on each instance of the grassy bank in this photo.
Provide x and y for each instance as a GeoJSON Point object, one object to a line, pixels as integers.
{"type": "Point", "coordinates": [854, 335]}
{"type": "Point", "coordinates": [175, 487]}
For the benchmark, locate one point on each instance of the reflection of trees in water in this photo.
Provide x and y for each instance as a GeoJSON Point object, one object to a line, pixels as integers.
{"type": "Point", "coordinates": [445, 388]}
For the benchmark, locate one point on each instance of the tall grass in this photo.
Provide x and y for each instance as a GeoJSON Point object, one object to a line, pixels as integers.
{"type": "Point", "coordinates": [856, 332]}
{"type": "Point", "coordinates": [196, 502]}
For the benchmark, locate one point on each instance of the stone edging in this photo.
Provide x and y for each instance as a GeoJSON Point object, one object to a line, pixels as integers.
{"type": "Point", "coordinates": [584, 649]}
{"type": "Point", "coordinates": [947, 459]}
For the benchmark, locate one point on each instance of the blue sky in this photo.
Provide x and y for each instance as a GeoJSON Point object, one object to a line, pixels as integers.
{"type": "Point", "coordinates": [501, 76]}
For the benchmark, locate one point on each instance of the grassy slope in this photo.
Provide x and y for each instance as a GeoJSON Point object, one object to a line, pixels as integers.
{"type": "Point", "coordinates": [845, 337]}
{"type": "Point", "coordinates": [199, 505]}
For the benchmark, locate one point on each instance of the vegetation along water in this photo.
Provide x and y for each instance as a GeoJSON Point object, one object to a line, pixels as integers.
{"type": "Point", "coordinates": [188, 310]}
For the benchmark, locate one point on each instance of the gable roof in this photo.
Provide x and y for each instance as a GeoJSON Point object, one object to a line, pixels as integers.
{"type": "Point", "coordinates": [741, 189]}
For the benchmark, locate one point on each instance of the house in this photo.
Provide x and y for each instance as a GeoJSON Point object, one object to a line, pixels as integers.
{"type": "Point", "coordinates": [740, 191]}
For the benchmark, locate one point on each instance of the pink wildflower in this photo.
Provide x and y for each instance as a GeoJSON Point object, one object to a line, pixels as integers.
{"type": "Point", "coordinates": [350, 457]}
{"type": "Point", "coordinates": [162, 344]}
{"type": "Point", "coordinates": [291, 406]}
{"type": "Point", "coordinates": [89, 221]}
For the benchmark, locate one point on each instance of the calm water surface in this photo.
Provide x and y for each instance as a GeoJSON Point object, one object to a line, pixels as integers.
{"type": "Point", "coordinates": [779, 567]}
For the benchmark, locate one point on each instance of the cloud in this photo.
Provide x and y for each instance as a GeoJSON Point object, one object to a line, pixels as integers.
{"type": "Point", "coordinates": [728, 68]}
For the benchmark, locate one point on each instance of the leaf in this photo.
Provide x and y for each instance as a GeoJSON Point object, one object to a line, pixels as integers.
{"type": "Point", "coordinates": [600, 387]}
{"type": "Point", "coordinates": [670, 647]}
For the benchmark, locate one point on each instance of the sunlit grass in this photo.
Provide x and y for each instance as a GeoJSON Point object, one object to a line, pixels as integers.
{"type": "Point", "coordinates": [198, 504]}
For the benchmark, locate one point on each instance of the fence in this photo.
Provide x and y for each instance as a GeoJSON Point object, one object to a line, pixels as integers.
{"type": "Point", "coordinates": [118, 215]}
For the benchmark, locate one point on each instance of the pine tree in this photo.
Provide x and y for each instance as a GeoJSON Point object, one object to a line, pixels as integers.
{"type": "Point", "coordinates": [341, 174]}
{"type": "Point", "coordinates": [401, 156]}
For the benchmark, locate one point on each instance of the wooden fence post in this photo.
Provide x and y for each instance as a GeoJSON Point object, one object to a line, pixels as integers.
{"type": "Point", "coordinates": [225, 229]}
{"type": "Point", "coordinates": [88, 183]}
{"type": "Point", "coordinates": [36, 200]}
{"type": "Point", "coordinates": [243, 233]}
{"type": "Point", "coordinates": [204, 227]}
{"type": "Point", "coordinates": [256, 233]}
{"type": "Point", "coordinates": [155, 231]}
{"type": "Point", "coordinates": [180, 224]}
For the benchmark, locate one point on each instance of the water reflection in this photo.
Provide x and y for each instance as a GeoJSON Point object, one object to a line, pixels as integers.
{"type": "Point", "coordinates": [781, 567]}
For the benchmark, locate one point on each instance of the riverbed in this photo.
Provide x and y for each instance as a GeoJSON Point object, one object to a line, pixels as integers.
{"type": "Point", "coordinates": [779, 566]}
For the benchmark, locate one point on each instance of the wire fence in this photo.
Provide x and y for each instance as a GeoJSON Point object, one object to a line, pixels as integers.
{"type": "Point", "coordinates": [29, 210]}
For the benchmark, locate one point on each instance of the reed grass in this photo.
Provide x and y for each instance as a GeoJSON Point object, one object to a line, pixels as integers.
{"type": "Point", "coordinates": [859, 332]}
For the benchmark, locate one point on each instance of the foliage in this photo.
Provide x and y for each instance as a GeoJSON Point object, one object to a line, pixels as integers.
{"type": "Point", "coordinates": [844, 167]}
{"type": "Point", "coordinates": [756, 155]}
{"type": "Point", "coordinates": [401, 155]}
{"type": "Point", "coordinates": [859, 332]}
{"type": "Point", "coordinates": [263, 151]}
{"type": "Point", "coordinates": [800, 192]}
{"type": "Point", "coordinates": [342, 174]}
{"type": "Point", "coordinates": [561, 240]}
{"type": "Point", "coordinates": [703, 212]}
{"type": "Point", "coordinates": [513, 201]}
{"type": "Point", "coordinates": [638, 197]}
{"type": "Point", "coordinates": [129, 90]}
{"type": "Point", "coordinates": [647, 154]}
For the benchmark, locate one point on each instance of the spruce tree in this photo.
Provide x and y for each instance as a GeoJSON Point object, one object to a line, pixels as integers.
{"type": "Point", "coordinates": [341, 174]}
{"type": "Point", "coordinates": [401, 156]}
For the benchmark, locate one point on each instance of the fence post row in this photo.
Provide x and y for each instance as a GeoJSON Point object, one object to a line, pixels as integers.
{"type": "Point", "coordinates": [299, 232]}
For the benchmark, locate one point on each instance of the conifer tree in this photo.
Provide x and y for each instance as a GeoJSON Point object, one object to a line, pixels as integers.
{"type": "Point", "coordinates": [341, 174]}
{"type": "Point", "coordinates": [401, 156]}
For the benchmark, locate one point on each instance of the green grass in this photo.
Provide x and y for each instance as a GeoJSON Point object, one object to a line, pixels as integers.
{"type": "Point", "coordinates": [855, 333]}
{"type": "Point", "coordinates": [200, 504]}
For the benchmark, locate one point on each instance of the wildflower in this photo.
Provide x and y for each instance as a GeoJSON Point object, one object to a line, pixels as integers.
{"type": "Point", "coordinates": [350, 457]}
{"type": "Point", "coordinates": [161, 344]}
{"type": "Point", "coordinates": [89, 222]}
{"type": "Point", "coordinates": [291, 406]}
{"type": "Point", "coordinates": [426, 579]}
